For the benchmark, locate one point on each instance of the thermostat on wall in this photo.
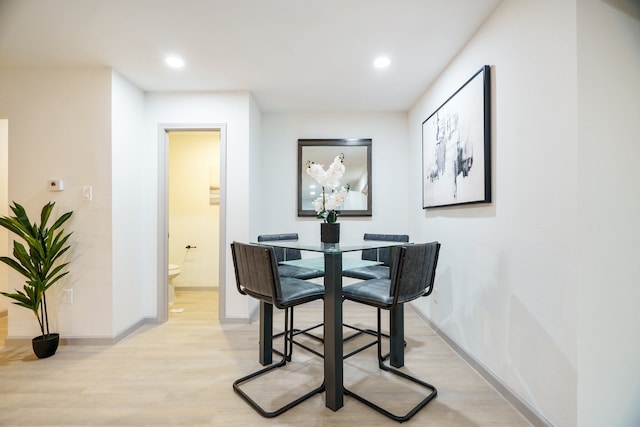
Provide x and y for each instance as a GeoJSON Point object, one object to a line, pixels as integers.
{"type": "Point", "coordinates": [55, 185]}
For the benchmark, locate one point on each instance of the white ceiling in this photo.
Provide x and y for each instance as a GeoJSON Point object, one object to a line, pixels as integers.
{"type": "Point", "coordinates": [293, 55]}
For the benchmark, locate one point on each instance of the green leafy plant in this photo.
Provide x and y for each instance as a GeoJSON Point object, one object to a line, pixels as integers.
{"type": "Point", "coordinates": [40, 264]}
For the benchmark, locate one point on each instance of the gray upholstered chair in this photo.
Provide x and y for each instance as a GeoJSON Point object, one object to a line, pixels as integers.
{"type": "Point", "coordinates": [287, 254]}
{"type": "Point", "coordinates": [256, 271]}
{"type": "Point", "coordinates": [382, 254]}
{"type": "Point", "coordinates": [381, 271]}
{"type": "Point", "coordinates": [412, 276]}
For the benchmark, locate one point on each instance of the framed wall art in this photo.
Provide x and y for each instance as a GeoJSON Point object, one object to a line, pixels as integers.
{"type": "Point", "coordinates": [456, 147]}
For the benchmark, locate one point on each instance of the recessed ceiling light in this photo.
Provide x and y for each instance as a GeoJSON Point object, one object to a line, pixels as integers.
{"type": "Point", "coordinates": [381, 62]}
{"type": "Point", "coordinates": [174, 62]}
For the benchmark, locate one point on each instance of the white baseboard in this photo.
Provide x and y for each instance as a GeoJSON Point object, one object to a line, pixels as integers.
{"type": "Point", "coordinates": [22, 341]}
{"type": "Point", "coordinates": [509, 394]}
{"type": "Point", "coordinates": [196, 288]}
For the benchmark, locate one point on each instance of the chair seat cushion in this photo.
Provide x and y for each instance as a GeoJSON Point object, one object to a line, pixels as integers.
{"type": "Point", "coordinates": [373, 292]}
{"type": "Point", "coordinates": [366, 273]}
{"type": "Point", "coordinates": [299, 272]}
{"type": "Point", "coordinates": [297, 291]}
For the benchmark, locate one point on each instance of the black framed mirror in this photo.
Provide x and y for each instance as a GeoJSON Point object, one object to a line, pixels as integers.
{"type": "Point", "coordinates": [357, 162]}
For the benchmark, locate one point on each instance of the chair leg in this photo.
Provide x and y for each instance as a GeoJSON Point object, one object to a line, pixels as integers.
{"type": "Point", "coordinates": [303, 331]}
{"type": "Point", "coordinates": [367, 331]}
{"type": "Point", "coordinates": [306, 331]}
{"type": "Point", "coordinates": [286, 355]}
{"type": "Point", "coordinates": [400, 418]}
{"type": "Point", "coordinates": [295, 332]}
{"type": "Point", "coordinates": [345, 339]}
{"type": "Point", "coordinates": [359, 332]}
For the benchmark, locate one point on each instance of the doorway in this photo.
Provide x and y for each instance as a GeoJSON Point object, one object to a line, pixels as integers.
{"type": "Point", "coordinates": [191, 219]}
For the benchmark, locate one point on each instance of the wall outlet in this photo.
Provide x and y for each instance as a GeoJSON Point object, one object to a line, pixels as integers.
{"type": "Point", "coordinates": [55, 185]}
{"type": "Point", "coordinates": [67, 296]}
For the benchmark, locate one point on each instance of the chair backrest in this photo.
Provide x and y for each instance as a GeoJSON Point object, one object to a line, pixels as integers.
{"type": "Point", "coordinates": [256, 271]}
{"type": "Point", "coordinates": [382, 254]}
{"type": "Point", "coordinates": [282, 254]}
{"type": "Point", "coordinates": [413, 271]}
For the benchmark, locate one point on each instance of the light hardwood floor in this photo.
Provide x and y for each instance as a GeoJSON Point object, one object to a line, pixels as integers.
{"type": "Point", "coordinates": [180, 373]}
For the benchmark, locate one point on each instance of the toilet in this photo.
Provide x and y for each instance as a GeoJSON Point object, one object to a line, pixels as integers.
{"type": "Point", "coordinates": [174, 270]}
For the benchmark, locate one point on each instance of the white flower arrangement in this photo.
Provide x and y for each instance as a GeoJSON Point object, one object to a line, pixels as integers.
{"type": "Point", "coordinates": [326, 206]}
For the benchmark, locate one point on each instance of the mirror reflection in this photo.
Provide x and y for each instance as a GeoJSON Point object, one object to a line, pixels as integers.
{"type": "Point", "coordinates": [357, 162]}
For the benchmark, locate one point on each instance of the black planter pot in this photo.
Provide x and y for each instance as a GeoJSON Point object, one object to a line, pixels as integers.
{"type": "Point", "coordinates": [330, 232]}
{"type": "Point", "coordinates": [45, 345]}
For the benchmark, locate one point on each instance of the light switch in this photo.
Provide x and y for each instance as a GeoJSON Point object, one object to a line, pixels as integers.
{"type": "Point", "coordinates": [67, 296]}
{"type": "Point", "coordinates": [87, 193]}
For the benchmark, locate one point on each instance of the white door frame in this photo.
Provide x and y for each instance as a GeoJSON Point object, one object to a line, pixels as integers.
{"type": "Point", "coordinates": [4, 208]}
{"type": "Point", "coordinates": [163, 212]}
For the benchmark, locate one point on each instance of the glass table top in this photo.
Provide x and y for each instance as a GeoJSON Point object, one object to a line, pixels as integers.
{"type": "Point", "coordinates": [330, 248]}
{"type": "Point", "coordinates": [317, 263]}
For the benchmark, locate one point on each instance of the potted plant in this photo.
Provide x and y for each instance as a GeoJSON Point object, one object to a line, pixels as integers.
{"type": "Point", "coordinates": [39, 264]}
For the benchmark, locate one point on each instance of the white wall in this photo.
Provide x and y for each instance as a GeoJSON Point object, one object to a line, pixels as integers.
{"type": "Point", "coordinates": [609, 203]}
{"type": "Point", "coordinates": [193, 221]}
{"type": "Point", "coordinates": [131, 183]}
{"type": "Point", "coordinates": [506, 281]}
{"type": "Point", "coordinates": [61, 129]}
{"type": "Point", "coordinates": [258, 170]}
{"type": "Point", "coordinates": [233, 109]}
{"type": "Point", "coordinates": [280, 134]}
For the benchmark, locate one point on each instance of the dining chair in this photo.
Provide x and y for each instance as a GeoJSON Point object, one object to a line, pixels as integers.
{"type": "Point", "coordinates": [382, 255]}
{"type": "Point", "coordinates": [412, 276]}
{"type": "Point", "coordinates": [256, 271]}
{"type": "Point", "coordinates": [305, 273]}
{"type": "Point", "coordinates": [288, 254]}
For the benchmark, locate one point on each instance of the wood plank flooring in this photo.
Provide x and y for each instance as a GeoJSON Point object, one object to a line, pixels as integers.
{"type": "Point", "coordinates": [180, 374]}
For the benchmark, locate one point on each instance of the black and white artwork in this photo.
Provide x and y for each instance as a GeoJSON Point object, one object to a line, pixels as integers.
{"type": "Point", "coordinates": [456, 141]}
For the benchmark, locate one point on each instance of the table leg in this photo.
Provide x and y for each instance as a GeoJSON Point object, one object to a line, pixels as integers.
{"type": "Point", "coordinates": [266, 334]}
{"type": "Point", "coordinates": [333, 373]}
{"type": "Point", "coordinates": [396, 327]}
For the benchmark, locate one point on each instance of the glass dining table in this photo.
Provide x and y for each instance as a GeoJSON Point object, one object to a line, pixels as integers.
{"type": "Point", "coordinates": [333, 325]}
